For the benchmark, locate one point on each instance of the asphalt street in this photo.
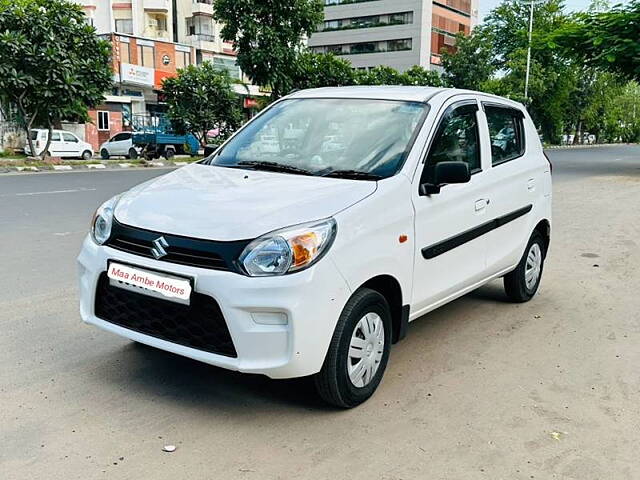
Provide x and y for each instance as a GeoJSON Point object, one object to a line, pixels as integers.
{"type": "Point", "coordinates": [480, 388]}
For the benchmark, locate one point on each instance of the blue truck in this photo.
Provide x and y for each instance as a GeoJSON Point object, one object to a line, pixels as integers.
{"type": "Point", "coordinates": [154, 137]}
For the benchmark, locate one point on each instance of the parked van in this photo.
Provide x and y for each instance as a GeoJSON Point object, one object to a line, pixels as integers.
{"type": "Point", "coordinates": [283, 257]}
{"type": "Point", "coordinates": [63, 144]}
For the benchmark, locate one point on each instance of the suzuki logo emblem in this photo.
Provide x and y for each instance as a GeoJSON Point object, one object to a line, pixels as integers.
{"type": "Point", "coordinates": [159, 247]}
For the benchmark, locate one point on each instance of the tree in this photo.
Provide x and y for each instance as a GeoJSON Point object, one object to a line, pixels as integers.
{"type": "Point", "coordinates": [53, 66]}
{"type": "Point", "coordinates": [384, 75]}
{"type": "Point", "coordinates": [201, 98]}
{"type": "Point", "coordinates": [605, 40]}
{"type": "Point", "coordinates": [471, 64]}
{"type": "Point", "coordinates": [267, 36]}
{"type": "Point", "coordinates": [314, 70]}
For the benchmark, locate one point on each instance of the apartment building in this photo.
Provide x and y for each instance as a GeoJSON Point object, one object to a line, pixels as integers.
{"type": "Point", "coordinates": [396, 33]}
{"type": "Point", "coordinates": [151, 40]}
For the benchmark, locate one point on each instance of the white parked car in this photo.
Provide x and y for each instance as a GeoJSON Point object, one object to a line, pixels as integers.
{"type": "Point", "coordinates": [63, 144]}
{"type": "Point", "coordinates": [313, 262]}
{"type": "Point", "coordinates": [121, 145]}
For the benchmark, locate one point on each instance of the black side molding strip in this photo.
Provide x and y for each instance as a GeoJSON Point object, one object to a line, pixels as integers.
{"type": "Point", "coordinates": [464, 237]}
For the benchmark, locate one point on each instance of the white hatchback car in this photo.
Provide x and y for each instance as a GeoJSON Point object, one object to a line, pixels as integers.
{"type": "Point", "coordinates": [311, 260]}
{"type": "Point", "coordinates": [121, 144]}
{"type": "Point", "coordinates": [63, 144]}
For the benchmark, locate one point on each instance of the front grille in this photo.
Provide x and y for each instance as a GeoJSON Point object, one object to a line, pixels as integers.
{"type": "Point", "coordinates": [193, 252]}
{"type": "Point", "coordinates": [199, 325]}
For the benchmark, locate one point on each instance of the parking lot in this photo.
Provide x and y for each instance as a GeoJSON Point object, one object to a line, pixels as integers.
{"type": "Point", "coordinates": [479, 389]}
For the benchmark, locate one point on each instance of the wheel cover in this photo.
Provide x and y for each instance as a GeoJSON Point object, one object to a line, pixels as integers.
{"type": "Point", "coordinates": [533, 266]}
{"type": "Point", "coordinates": [365, 350]}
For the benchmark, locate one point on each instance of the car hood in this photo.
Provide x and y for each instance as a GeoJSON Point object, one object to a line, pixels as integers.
{"type": "Point", "coordinates": [219, 203]}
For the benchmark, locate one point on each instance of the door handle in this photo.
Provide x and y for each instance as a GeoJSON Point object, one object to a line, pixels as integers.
{"type": "Point", "coordinates": [531, 185]}
{"type": "Point", "coordinates": [481, 204]}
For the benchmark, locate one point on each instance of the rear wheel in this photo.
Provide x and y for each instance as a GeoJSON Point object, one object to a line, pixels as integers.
{"type": "Point", "coordinates": [169, 153]}
{"type": "Point", "coordinates": [522, 283]}
{"type": "Point", "coordinates": [104, 154]}
{"type": "Point", "coordinates": [133, 154]}
{"type": "Point", "coordinates": [358, 353]}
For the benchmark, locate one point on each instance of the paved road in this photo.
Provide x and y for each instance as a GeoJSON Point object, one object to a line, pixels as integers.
{"type": "Point", "coordinates": [480, 389]}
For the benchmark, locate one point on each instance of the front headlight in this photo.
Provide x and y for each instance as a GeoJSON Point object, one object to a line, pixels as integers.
{"type": "Point", "coordinates": [102, 221]}
{"type": "Point", "coordinates": [289, 249]}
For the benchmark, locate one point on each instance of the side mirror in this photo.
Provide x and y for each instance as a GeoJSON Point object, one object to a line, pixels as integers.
{"type": "Point", "coordinates": [445, 173]}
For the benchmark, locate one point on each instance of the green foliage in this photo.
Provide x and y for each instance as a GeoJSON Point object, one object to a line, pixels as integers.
{"type": "Point", "coordinates": [605, 40]}
{"type": "Point", "coordinates": [314, 70]}
{"type": "Point", "coordinates": [472, 65]}
{"type": "Point", "coordinates": [201, 98]}
{"type": "Point", "coordinates": [267, 36]}
{"type": "Point", "coordinates": [383, 75]}
{"type": "Point", "coordinates": [53, 66]}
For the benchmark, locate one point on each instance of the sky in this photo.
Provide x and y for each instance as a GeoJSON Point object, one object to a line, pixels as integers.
{"type": "Point", "coordinates": [571, 5]}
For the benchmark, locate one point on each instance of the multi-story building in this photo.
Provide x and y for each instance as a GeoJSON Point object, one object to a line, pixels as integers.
{"type": "Point", "coordinates": [397, 33]}
{"type": "Point", "coordinates": [151, 40]}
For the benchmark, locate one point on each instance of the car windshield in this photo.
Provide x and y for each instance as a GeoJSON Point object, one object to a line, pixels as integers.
{"type": "Point", "coordinates": [350, 138]}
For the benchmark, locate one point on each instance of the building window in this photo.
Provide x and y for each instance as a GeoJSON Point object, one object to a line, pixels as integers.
{"type": "Point", "coordinates": [329, 3]}
{"type": "Point", "coordinates": [183, 59]}
{"type": "Point", "coordinates": [371, 21]}
{"type": "Point", "coordinates": [229, 65]}
{"type": "Point", "coordinates": [367, 47]}
{"type": "Point", "coordinates": [124, 26]}
{"type": "Point", "coordinates": [103, 121]}
{"type": "Point", "coordinates": [202, 27]}
{"type": "Point", "coordinates": [125, 53]}
{"type": "Point", "coordinates": [146, 56]}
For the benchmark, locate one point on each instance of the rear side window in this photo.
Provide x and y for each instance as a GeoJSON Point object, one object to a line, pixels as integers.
{"type": "Point", "coordinates": [456, 139]}
{"type": "Point", "coordinates": [506, 130]}
{"type": "Point", "coordinates": [69, 137]}
{"type": "Point", "coordinates": [55, 137]}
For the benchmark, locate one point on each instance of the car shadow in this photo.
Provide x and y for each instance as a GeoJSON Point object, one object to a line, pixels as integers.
{"type": "Point", "coordinates": [179, 380]}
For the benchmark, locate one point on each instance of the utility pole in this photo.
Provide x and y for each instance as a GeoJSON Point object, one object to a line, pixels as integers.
{"type": "Point", "coordinates": [526, 80]}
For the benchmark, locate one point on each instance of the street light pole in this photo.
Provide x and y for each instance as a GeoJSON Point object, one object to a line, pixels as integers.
{"type": "Point", "coordinates": [526, 80]}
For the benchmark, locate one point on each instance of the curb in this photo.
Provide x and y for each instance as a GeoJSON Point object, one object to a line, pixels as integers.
{"type": "Point", "coordinates": [91, 166]}
{"type": "Point", "coordinates": [595, 145]}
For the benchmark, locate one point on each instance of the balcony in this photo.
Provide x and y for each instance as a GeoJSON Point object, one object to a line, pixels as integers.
{"type": "Point", "coordinates": [204, 42]}
{"type": "Point", "coordinates": [157, 5]}
{"type": "Point", "coordinates": [202, 7]}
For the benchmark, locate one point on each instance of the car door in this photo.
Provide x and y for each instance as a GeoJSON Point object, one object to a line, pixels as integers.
{"type": "Point", "coordinates": [71, 145]}
{"type": "Point", "coordinates": [450, 250]}
{"type": "Point", "coordinates": [514, 181]}
{"type": "Point", "coordinates": [56, 148]}
{"type": "Point", "coordinates": [121, 144]}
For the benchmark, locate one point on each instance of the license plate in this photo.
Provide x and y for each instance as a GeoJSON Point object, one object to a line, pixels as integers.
{"type": "Point", "coordinates": [155, 284]}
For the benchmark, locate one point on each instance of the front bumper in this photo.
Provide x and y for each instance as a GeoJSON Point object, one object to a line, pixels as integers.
{"type": "Point", "coordinates": [306, 306]}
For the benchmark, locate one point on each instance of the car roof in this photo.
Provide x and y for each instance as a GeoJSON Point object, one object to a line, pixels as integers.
{"type": "Point", "coordinates": [392, 92]}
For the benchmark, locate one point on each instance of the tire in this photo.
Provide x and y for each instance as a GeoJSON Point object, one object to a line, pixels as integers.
{"type": "Point", "coordinates": [333, 383]}
{"type": "Point", "coordinates": [104, 154]}
{"type": "Point", "coordinates": [87, 155]}
{"type": "Point", "coordinates": [519, 285]}
{"type": "Point", "coordinates": [169, 153]}
{"type": "Point", "coordinates": [133, 154]}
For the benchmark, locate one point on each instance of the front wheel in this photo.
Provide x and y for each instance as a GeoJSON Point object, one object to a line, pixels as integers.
{"type": "Point", "coordinates": [358, 353]}
{"type": "Point", "coordinates": [104, 154]}
{"type": "Point", "coordinates": [521, 284]}
{"type": "Point", "coordinates": [87, 155]}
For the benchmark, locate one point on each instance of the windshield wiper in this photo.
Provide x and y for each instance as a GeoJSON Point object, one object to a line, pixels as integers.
{"type": "Point", "coordinates": [354, 174]}
{"type": "Point", "coordinates": [274, 167]}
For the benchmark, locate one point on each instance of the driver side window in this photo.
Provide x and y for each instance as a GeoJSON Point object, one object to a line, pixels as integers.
{"type": "Point", "coordinates": [457, 139]}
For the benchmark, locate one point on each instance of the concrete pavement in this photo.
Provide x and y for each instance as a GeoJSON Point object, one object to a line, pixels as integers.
{"type": "Point", "coordinates": [480, 389]}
